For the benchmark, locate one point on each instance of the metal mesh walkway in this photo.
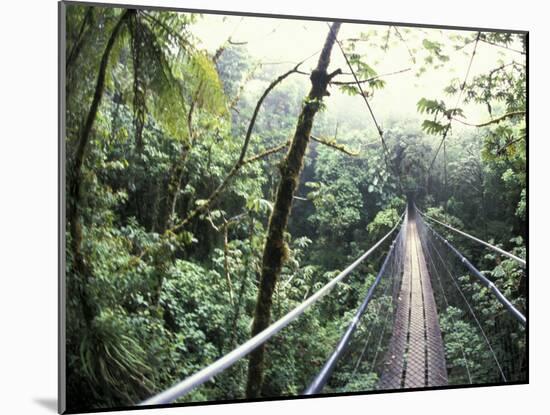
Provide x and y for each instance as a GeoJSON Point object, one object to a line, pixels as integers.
{"type": "Point", "coordinates": [416, 356]}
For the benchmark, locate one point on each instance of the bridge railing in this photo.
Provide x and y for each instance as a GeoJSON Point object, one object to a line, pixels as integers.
{"type": "Point", "coordinates": [484, 341]}
{"type": "Point", "coordinates": [385, 285]}
{"type": "Point", "coordinates": [183, 387]}
{"type": "Point", "coordinates": [481, 278]}
{"type": "Point", "coordinates": [501, 251]}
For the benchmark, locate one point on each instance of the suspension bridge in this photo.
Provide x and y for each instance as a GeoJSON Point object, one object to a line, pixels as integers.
{"type": "Point", "coordinates": [425, 294]}
{"type": "Point", "coordinates": [431, 318]}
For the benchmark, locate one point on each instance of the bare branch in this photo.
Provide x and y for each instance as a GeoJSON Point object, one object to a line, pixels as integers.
{"type": "Point", "coordinates": [493, 121]}
{"type": "Point", "coordinates": [508, 144]}
{"type": "Point", "coordinates": [248, 77]}
{"type": "Point", "coordinates": [191, 110]}
{"type": "Point", "coordinates": [293, 62]}
{"type": "Point", "coordinates": [501, 67]}
{"type": "Point", "coordinates": [385, 47]}
{"type": "Point", "coordinates": [239, 163]}
{"type": "Point", "coordinates": [226, 262]}
{"type": "Point", "coordinates": [257, 109]}
{"type": "Point", "coordinates": [266, 153]}
{"type": "Point", "coordinates": [370, 79]}
{"type": "Point", "coordinates": [211, 221]}
{"type": "Point", "coordinates": [335, 145]}
{"type": "Point", "coordinates": [223, 46]}
{"type": "Point", "coordinates": [405, 43]}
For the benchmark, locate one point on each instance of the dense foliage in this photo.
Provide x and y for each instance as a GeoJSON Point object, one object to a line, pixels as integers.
{"type": "Point", "coordinates": [173, 159]}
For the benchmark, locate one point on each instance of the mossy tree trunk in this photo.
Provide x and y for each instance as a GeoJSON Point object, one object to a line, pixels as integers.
{"type": "Point", "coordinates": [80, 266]}
{"type": "Point", "coordinates": [274, 250]}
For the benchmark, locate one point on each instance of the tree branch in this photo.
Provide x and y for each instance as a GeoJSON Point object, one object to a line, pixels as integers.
{"type": "Point", "coordinates": [257, 109]}
{"type": "Point", "coordinates": [77, 46]}
{"type": "Point", "coordinates": [266, 153]}
{"type": "Point", "coordinates": [370, 79]}
{"type": "Point", "coordinates": [191, 111]}
{"type": "Point", "coordinates": [226, 262]}
{"type": "Point", "coordinates": [335, 145]}
{"type": "Point", "coordinates": [405, 43]}
{"type": "Point", "coordinates": [237, 97]}
{"type": "Point", "coordinates": [239, 163]}
{"type": "Point", "coordinates": [501, 67]}
{"type": "Point", "coordinates": [493, 121]}
{"type": "Point", "coordinates": [360, 81]}
{"type": "Point", "coordinates": [508, 144]}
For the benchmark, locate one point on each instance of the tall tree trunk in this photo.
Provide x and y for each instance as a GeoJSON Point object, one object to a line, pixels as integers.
{"type": "Point", "coordinates": [80, 267]}
{"type": "Point", "coordinates": [275, 249]}
{"type": "Point", "coordinates": [76, 49]}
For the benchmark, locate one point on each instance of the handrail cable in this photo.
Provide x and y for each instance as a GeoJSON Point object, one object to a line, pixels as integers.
{"type": "Point", "coordinates": [484, 280]}
{"type": "Point", "coordinates": [522, 262]}
{"type": "Point", "coordinates": [321, 379]}
{"type": "Point", "coordinates": [370, 331]}
{"type": "Point", "coordinates": [459, 289]}
{"type": "Point", "coordinates": [207, 373]}
{"type": "Point", "coordinates": [447, 306]}
{"type": "Point", "coordinates": [375, 357]}
{"type": "Point", "coordinates": [395, 286]}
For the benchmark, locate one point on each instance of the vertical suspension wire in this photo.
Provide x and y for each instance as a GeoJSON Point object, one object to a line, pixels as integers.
{"type": "Point", "coordinates": [393, 269]}
{"type": "Point", "coordinates": [379, 344]}
{"type": "Point", "coordinates": [319, 382]}
{"type": "Point", "coordinates": [395, 289]}
{"type": "Point", "coordinates": [460, 291]}
{"type": "Point", "coordinates": [381, 293]}
{"type": "Point", "coordinates": [396, 278]}
{"type": "Point", "coordinates": [369, 330]}
{"type": "Point", "coordinates": [186, 385]}
{"type": "Point", "coordinates": [423, 240]}
{"type": "Point", "coordinates": [445, 174]}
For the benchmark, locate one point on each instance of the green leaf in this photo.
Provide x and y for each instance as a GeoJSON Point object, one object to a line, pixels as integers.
{"type": "Point", "coordinates": [433, 127]}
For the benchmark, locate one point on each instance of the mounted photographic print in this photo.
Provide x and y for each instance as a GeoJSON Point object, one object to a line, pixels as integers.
{"type": "Point", "coordinates": [261, 207]}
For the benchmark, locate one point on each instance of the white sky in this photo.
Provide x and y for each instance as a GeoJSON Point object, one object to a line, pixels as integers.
{"type": "Point", "coordinates": [290, 41]}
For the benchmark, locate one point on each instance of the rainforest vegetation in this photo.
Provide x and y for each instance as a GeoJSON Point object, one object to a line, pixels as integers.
{"type": "Point", "coordinates": [210, 190]}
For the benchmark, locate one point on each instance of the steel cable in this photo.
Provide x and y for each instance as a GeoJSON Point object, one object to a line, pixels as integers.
{"type": "Point", "coordinates": [460, 291]}
{"type": "Point", "coordinates": [447, 304]}
{"type": "Point", "coordinates": [483, 279]}
{"type": "Point", "coordinates": [393, 269]}
{"type": "Point", "coordinates": [522, 262]}
{"type": "Point", "coordinates": [321, 379]}
{"type": "Point", "coordinates": [207, 373]}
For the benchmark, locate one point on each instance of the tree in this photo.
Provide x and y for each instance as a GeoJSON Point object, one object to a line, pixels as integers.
{"type": "Point", "coordinates": [188, 228]}
{"type": "Point", "coordinates": [275, 248]}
